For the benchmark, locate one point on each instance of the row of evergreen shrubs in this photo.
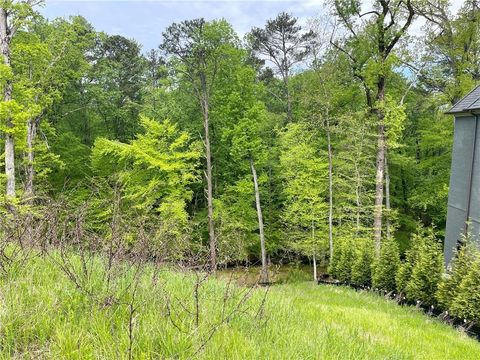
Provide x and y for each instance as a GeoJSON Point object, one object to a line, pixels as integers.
{"type": "Point", "coordinates": [421, 278]}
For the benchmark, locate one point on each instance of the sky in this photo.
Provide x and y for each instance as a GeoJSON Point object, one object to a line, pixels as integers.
{"type": "Point", "coordinates": [144, 20]}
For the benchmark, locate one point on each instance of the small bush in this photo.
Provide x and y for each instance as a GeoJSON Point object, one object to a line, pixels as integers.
{"type": "Point", "coordinates": [343, 255]}
{"type": "Point", "coordinates": [466, 303]}
{"type": "Point", "coordinates": [426, 274]}
{"type": "Point", "coordinates": [361, 274]}
{"type": "Point", "coordinates": [405, 271]}
{"type": "Point", "coordinates": [456, 272]}
{"type": "Point", "coordinates": [335, 260]}
{"type": "Point", "coordinates": [419, 276]}
{"type": "Point", "coordinates": [385, 266]}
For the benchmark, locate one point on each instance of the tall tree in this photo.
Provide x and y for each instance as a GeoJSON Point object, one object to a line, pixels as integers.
{"type": "Point", "coordinates": [284, 43]}
{"type": "Point", "coordinates": [13, 15]}
{"type": "Point", "coordinates": [316, 102]}
{"type": "Point", "coordinates": [247, 145]}
{"type": "Point", "coordinates": [197, 47]}
{"type": "Point", "coordinates": [305, 176]}
{"type": "Point", "coordinates": [451, 63]}
{"type": "Point", "coordinates": [369, 43]}
{"type": "Point", "coordinates": [119, 70]}
{"type": "Point", "coordinates": [46, 59]}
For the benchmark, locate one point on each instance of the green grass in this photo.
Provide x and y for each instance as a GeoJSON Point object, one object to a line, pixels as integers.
{"type": "Point", "coordinates": [44, 316]}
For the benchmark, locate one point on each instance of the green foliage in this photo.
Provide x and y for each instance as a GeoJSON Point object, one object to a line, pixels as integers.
{"type": "Point", "coordinates": [340, 266]}
{"type": "Point", "coordinates": [75, 158]}
{"type": "Point", "coordinates": [466, 302]}
{"type": "Point", "coordinates": [236, 221]}
{"type": "Point", "coordinates": [457, 270]}
{"type": "Point", "coordinates": [362, 263]}
{"type": "Point", "coordinates": [85, 89]}
{"type": "Point", "coordinates": [247, 143]}
{"type": "Point", "coordinates": [304, 173]}
{"type": "Point", "coordinates": [453, 56]}
{"type": "Point", "coordinates": [426, 275]}
{"type": "Point", "coordinates": [426, 168]}
{"type": "Point", "coordinates": [385, 266]}
{"type": "Point", "coordinates": [459, 288]}
{"type": "Point", "coordinates": [155, 170]}
{"type": "Point", "coordinates": [159, 164]}
{"type": "Point", "coordinates": [422, 271]}
{"type": "Point", "coordinates": [119, 73]}
{"type": "Point", "coordinates": [196, 47]}
{"type": "Point", "coordinates": [411, 257]}
{"type": "Point", "coordinates": [395, 117]}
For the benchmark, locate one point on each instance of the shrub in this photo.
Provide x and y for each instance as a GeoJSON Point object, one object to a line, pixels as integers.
{"type": "Point", "coordinates": [335, 260]}
{"type": "Point", "coordinates": [466, 303]}
{"type": "Point", "coordinates": [385, 266]}
{"type": "Point", "coordinates": [419, 276]}
{"type": "Point", "coordinates": [405, 271]}
{"type": "Point", "coordinates": [343, 255]}
{"type": "Point", "coordinates": [426, 272]}
{"type": "Point", "coordinates": [457, 270]}
{"type": "Point", "coordinates": [361, 274]}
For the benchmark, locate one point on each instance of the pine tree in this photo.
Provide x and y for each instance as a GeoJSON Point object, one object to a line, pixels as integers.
{"type": "Point", "coordinates": [466, 304]}
{"type": "Point", "coordinates": [343, 256]}
{"type": "Point", "coordinates": [411, 257]}
{"type": "Point", "coordinates": [426, 272]}
{"type": "Point", "coordinates": [362, 263]}
{"type": "Point", "coordinates": [456, 272]}
{"type": "Point", "coordinates": [333, 266]}
{"type": "Point", "coordinates": [285, 45]}
{"type": "Point", "coordinates": [419, 276]}
{"type": "Point", "coordinates": [385, 266]}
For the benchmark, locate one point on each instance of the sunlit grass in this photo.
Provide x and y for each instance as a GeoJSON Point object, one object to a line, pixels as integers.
{"type": "Point", "coordinates": [44, 316]}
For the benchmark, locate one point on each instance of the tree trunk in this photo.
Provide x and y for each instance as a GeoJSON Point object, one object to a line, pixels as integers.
{"type": "Point", "coordinates": [208, 155]}
{"type": "Point", "coordinates": [30, 173]}
{"type": "Point", "coordinates": [10, 163]}
{"type": "Point", "coordinates": [387, 196]}
{"type": "Point", "coordinates": [289, 101]}
{"type": "Point", "coordinates": [380, 164]}
{"type": "Point", "coordinates": [357, 197]}
{"type": "Point", "coordinates": [315, 277]}
{"type": "Point", "coordinates": [286, 78]}
{"type": "Point", "coordinates": [380, 161]}
{"type": "Point", "coordinates": [330, 190]}
{"type": "Point", "coordinates": [264, 273]}
{"type": "Point", "coordinates": [204, 100]}
{"type": "Point", "coordinates": [31, 134]}
{"type": "Point", "coordinates": [7, 96]}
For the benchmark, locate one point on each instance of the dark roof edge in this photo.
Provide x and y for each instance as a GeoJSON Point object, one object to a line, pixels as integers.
{"type": "Point", "coordinates": [473, 111]}
{"type": "Point", "coordinates": [452, 111]}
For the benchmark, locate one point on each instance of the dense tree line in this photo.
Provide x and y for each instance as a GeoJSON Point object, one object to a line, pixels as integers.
{"type": "Point", "coordinates": [319, 142]}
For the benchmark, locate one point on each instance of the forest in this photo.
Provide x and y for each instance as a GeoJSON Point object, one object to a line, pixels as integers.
{"type": "Point", "coordinates": [139, 185]}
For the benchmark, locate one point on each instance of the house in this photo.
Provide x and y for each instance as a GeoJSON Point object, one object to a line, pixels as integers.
{"type": "Point", "coordinates": [463, 214]}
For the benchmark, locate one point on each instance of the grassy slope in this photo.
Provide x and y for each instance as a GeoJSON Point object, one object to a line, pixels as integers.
{"type": "Point", "coordinates": [43, 316]}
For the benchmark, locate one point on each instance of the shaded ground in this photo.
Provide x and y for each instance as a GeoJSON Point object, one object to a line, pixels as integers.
{"type": "Point", "coordinates": [278, 274]}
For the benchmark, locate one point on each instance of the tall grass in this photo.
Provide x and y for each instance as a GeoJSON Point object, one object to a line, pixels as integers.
{"type": "Point", "coordinates": [44, 315]}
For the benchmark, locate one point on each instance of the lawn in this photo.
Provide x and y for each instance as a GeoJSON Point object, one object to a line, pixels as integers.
{"type": "Point", "coordinates": [44, 315]}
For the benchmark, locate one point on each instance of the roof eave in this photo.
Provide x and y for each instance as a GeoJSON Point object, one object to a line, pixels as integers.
{"type": "Point", "coordinates": [476, 90]}
{"type": "Point", "coordinates": [474, 111]}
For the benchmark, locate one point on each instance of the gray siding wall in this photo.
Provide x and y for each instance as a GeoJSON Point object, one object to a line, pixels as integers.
{"type": "Point", "coordinates": [460, 176]}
